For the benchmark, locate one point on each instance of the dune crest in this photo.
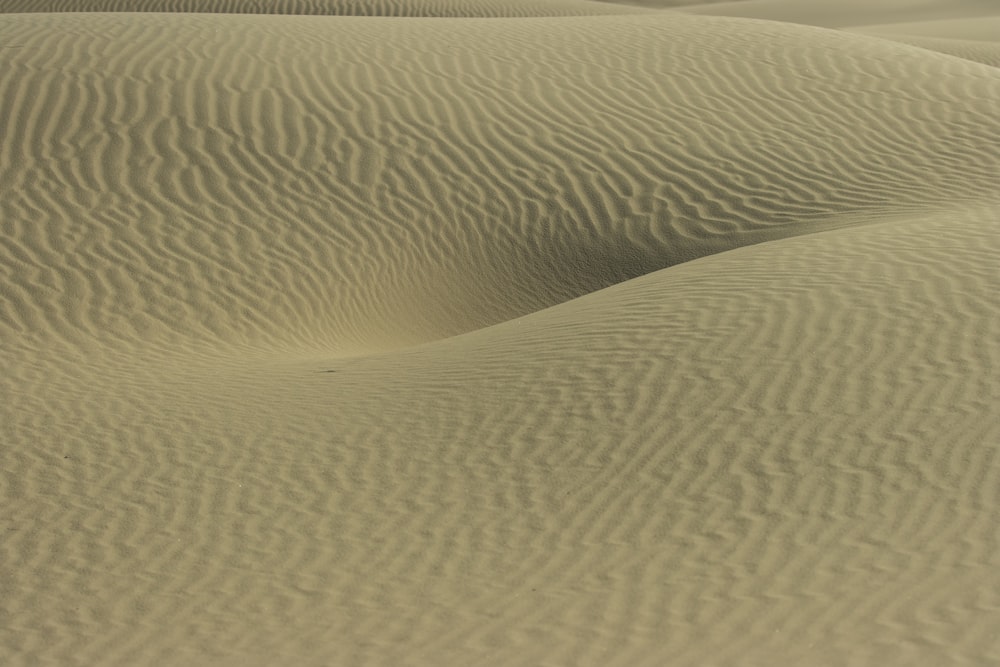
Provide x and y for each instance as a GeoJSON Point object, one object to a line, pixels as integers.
{"type": "Point", "coordinates": [421, 193]}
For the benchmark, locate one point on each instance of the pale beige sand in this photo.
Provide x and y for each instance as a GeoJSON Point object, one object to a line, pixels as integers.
{"type": "Point", "coordinates": [987, 53]}
{"type": "Point", "coordinates": [397, 8]}
{"type": "Point", "coordinates": [981, 28]}
{"type": "Point", "coordinates": [596, 340]}
{"type": "Point", "coordinates": [848, 13]}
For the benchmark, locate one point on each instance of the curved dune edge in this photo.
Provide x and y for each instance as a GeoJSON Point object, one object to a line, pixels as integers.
{"type": "Point", "coordinates": [345, 188]}
{"type": "Point", "coordinates": [979, 28]}
{"type": "Point", "coordinates": [579, 341]}
{"type": "Point", "coordinates": [933, 14]}
{"type": "Point", "coordinates": [987, 53]}
{"type": "Point", "coordinates": [783, 452]}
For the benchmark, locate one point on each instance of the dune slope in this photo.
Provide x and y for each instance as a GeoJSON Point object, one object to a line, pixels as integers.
{"type": "Point", "coordinates": [336, 183]}
{"type": "Point", "coordinates": [605, 338]}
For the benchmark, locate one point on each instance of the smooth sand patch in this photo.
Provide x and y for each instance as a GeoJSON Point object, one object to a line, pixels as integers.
{"type": "Point", "coordinates": [980, 29]}
{"type": "Point", "coordinates": [850, 13]}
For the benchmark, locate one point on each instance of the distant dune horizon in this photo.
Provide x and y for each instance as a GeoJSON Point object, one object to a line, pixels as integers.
{"type": "Point", "coordinates": [513, 332]}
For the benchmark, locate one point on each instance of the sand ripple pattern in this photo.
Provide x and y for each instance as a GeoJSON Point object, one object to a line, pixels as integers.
{"type": "Point", "coordinates": [787, 451]}
{"type": "Point", "coordinates": [592, 340]}
{"type": "Point", "coordinates": [347, 186]}
{"type": "Point", "coordinates": [399, 8]}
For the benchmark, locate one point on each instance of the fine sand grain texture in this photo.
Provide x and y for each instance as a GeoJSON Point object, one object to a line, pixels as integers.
{"type": "Point", "coordinates": [499, 333]}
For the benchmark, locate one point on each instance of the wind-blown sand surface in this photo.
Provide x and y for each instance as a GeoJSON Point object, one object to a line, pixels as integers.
{"type": "Point", "coordinates": [499, 333]}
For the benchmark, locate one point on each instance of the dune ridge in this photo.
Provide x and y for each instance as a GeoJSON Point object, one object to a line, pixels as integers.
{"type": "Point", "coordinates": [732, 471]}
{"type": "Point", "coordinates": [619, 339]}
{"type": "Point", "coordinates": [517, 187]}
{"type": "Point", "coordinates": [979, 29]}
{"type": "Point", "coordinates": [987, 53]}
{"type": "Point", "coordinates": [853, 13]}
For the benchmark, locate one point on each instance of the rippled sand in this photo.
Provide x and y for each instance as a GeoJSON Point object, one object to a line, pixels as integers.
{"type": "Point", "coordinates": [521, 332]}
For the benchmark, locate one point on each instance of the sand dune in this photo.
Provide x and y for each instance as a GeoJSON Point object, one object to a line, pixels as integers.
{"type": "Point", "coordinates": [418, 193]}
{"type": "Point", "coordinates": [850, 13]}
{"type": "Point", "coordinates": [987, 53]}
{"type": "Point", "coordinates": [387, 8]}
{"type": "Point", "coordinates": [979, 29]}
{"type": "Point", "coordinates": [566, 333]}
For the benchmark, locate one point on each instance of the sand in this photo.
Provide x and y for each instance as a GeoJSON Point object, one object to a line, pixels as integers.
{"type": "Point", "coordinates": [499, 333]}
